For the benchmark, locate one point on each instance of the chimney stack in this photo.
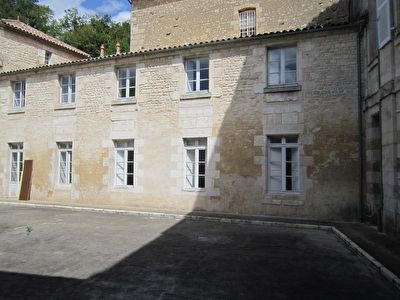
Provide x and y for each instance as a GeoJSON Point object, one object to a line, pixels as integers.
{"type": "Point", "coordinates": [102, 48]}
{"type": "Point", "coordinates": [118, 48]}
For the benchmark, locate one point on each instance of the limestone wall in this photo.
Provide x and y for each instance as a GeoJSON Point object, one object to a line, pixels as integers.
{"type": "Point", "coordinates": [236, 117]}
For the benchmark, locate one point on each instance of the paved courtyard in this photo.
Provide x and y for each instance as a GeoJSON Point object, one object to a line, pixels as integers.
{"type": "Point", "coordinates": [64, 254]}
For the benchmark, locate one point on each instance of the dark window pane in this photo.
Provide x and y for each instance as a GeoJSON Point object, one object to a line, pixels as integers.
{"type": "Point", "coordinates": [204, 63]}
{"type": "Point", "coordinates": [132, 92]}
{"type": "Point", "coordinates": [122, 93]}
{"type": "Point", "coordinates": [130, 168]}
{"type": "Point", "coordinates": [202, 182]}
{"type": "Point", "coordinates": [129, 179]}
{"type": "Point", "coordinates": [289, 183]}
{"type": "Point", "coordinates": [288, 154]}
{"type": "Point", "coordinates": [275, 139]}
{"type": "Point", "coordinates": [202, 155]}
{"type": "Point", "coordinates": [130, 155]}
{"type": "Point", "coordinates": [289, 169]}
{"type": "Point", "coordinates": [291, 140]}
{"type": "Point", "coordinates": [191, 86]}
{"type": "Point", "coordinates": [204, 85]}
{"type": "Point", "coordinates": [202, 168]}
{"type": "Point", "coordinates": [191, 64]}
{"type": "Point", "coordinates": [204, 74]}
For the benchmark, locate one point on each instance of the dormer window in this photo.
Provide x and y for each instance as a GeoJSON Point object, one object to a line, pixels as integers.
{"type": "Point", "coordinates": [247, 22]}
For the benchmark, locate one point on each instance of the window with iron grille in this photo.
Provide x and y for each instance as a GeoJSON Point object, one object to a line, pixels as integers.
{"type": "Point", "coordinates": [195, 163]}
{"type": "Point", "coordinates": [282, 66]}
{"type": "Point", "coordinates": [126, 83]}
{"type": "Point", "coordinates": [17, 162]}
{"type": "Point", "coordinates": [197, 75]}
{"type": "Point", "coordinates": [47, 58]}
{"type": "Point", "coordinates": [19, 94]}
{"type": "Point", "coordinates": [247, 22]}
{"type": "Point", "coordinates": [384, 22]}
{"type": "Point", "coordinates": [283, 164]}
{"type": "Point", "coordinates": [65, 163]}
{"type": "Point", "coordinates": [124, 163]}
{"type": "Point", "coordinates": [68, 88]}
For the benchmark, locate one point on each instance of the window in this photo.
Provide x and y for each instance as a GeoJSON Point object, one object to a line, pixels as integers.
{"type": "Point", "coordinates": [283, 166]}
{"type": "Point", "coordinates": [19, 94]}
{"type": "Point", "coordinates": [247, 22]}
{"type": "Point", "coordinates": [47, 58]}
{"type": "Point", "coordinates": [124, 163]}
{"type": "Point", "coordinates": [126, 83]}
{"type": "Point", "coordinates": [68, 87]}
{"type": "Point", "coordinates": [197, 75]}
{"type": "Point", "coordinates": [65, 163]}
{"type": "Point", "coordinates": [17, 162]}
{"type": "Point", "coordinates": [282, 66]}
{"type": "Point", "coordinates": [195, 163]}
{"type": "Point", "coordinates": [384, 23]}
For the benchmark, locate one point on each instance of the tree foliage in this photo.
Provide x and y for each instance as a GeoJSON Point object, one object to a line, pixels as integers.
{"type": "Point", "coordinates": [85, 32]}
{"type": "Point", "coordinates": [28, 11]}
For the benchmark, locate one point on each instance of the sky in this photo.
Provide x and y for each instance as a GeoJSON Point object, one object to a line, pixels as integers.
{"type": "Point", "coordinates": [119, 10]}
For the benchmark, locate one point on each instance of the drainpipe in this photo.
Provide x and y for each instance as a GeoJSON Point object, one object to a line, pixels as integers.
{"type": "Point", "coordinates": [360, 126]}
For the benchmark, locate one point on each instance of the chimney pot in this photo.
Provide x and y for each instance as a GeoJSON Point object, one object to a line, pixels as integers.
{"type": "Point", "coordinates": [102, 48]}
{"type": "Point", "coordinates": [118, 48]}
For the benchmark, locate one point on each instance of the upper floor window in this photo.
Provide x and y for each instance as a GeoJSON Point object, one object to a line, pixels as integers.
{"type": "Point", "coordinates": [68, 87]}
{"type": "Point", "coordinates": [195, 163]}
{"type": "Point", "coordinates": [124, 163]}
{"type": "Point", "coordinates": [197, 75]}
{"type": "Point", "coordinates": [19, 94]}
{"type": "Point", "coordinates": [47, 57]}
{"type": "Point", "coordinates": [65, 163]}
{"type": "Point", "coordinates": [17, 162]}
{"type": "Point", "coordinates": [283, 164]}
{"type": "Point", "coordinates": [384, 22]}
{"type": "Point", "coordinates": [126, 83]}
{"type": "Point", "coordinates": [247, 22]}
{"type": "Point", "coordinates": [282, 66]}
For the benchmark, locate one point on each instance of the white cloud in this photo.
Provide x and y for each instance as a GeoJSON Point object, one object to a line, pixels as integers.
{"type": "Point", "coordinates": [110, 7]}
{"type": "Point", "coordinates": [122, 16]}
{"type": "Point", "coordinates": [59, 7]}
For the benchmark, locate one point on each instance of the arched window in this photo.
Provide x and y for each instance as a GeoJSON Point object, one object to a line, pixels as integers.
{"type": "Point", "coordinates": [247, 22]}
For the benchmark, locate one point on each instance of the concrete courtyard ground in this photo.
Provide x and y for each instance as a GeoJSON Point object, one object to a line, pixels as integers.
{"type": "Point", "coordinates": [64, 254]}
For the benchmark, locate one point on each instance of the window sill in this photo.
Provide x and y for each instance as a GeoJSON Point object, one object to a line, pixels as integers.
{"type": "Point", "coordinates": [63, 187]}
{"type": "Point", "coordinates": [65, 107]}
{"type": "Point", "coordinates": [124, 189]}
{"type": "Point", "coordinates": [282, 88]}
{"type": "Point", "coordinates": [194, 190]}
{"type": "Point", "coordinates": [196, 95]}
{"type": "Point", "coordinates": [123, 101]}
{"type": "Point", "coordinates": [16, 111]}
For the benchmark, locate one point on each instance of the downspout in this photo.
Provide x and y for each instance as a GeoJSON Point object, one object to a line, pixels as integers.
{"type": "Point", "coordinates": [360, 126]}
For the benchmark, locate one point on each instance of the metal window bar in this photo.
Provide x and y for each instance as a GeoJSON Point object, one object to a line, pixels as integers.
{"type": "Point", "coordinates": [247, 23]}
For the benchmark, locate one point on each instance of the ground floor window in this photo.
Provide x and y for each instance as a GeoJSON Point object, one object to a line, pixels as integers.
{"type": "Point", "coordinates": [124, 163]}
{"type": "Point", "coordinates": [17, 162]}
{"type": "Point", "coordinates": [195, 163]}
{"type": "Point", "coordinates": [283, 164]}
{"type": "Point", "coordinates": [65, 163]}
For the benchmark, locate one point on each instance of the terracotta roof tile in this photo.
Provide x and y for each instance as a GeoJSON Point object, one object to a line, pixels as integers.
{"type": "Point", "coordinates": [20, 26]}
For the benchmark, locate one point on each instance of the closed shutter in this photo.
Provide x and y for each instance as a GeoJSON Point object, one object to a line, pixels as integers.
{"type": "Point", "coordinates": [383, 19]}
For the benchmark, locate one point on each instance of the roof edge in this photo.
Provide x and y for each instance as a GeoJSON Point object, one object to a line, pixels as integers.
{"type": "Point", "coordinates": [233, 40]}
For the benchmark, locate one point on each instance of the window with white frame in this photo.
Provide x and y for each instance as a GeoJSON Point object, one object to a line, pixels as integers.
{"type": "Point", "coordinates": [124, 163]}
{"type": "Point", "coordinates": [19, 94]}
{"type": "Point", "coordinates": [247, 22]}
{"type": "Point", "coordinates": [197, 75]}
{"type": "Point", "coordinates": [65, 163]}
{"type": "Point", "coordinates": [384, 22]}
{"type": "Point", "coordinates": [282, 66]}
{"type": "Point", "coordinates": [195, 163]}
{"type": "Point", "coordinates": [283, 164]}
{"type": "Point", "coordinates": [47, 57]}
{"type": "Point", "coordinates": [126, 83]}
{"type": "Point", "coordinates": [17, 162]}
{"type": "Point", "coordinates": [68, 88]}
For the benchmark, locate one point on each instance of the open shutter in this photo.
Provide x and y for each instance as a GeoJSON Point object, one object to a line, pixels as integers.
{"type": "Point", "coordinates": [383, 19]}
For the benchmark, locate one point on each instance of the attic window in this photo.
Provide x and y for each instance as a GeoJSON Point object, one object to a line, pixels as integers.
{"type": "Point", "coordinates": [247, 22]}
{"type": "Point", "coordinates": [47, 58]}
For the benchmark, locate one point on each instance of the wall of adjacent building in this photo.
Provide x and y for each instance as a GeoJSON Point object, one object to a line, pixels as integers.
{"type": "Point", "coordinates": [381, 73]}
{"type": "Point", "coordinates": [236, 119]}
{"type": "Point", "coordinates": [19, 51]}
{"type": "Point", "coordinates": [162, 23]}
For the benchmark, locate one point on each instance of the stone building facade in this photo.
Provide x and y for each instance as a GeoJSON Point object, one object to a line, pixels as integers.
{"type": "Point", "coordinates": [251, 125]}
{"type": "Point", "coordinates": [380, 46]}
{"type": "Point", "coordinates": [23, 47]}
